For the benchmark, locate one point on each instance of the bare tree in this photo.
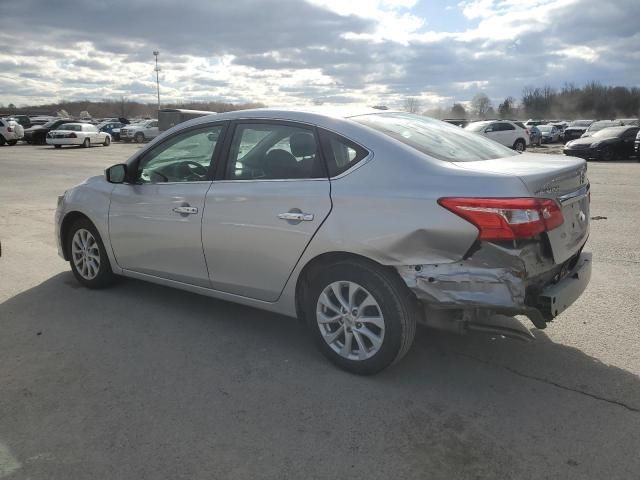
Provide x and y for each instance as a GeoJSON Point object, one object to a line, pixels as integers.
{"type": "Point", "coordinates": [458, 111]}
{"type": "Point", "coordinates": [507, 108]}
{"type": "Point", "coordinates": [480, 105]}
{"type": "Point", "coordinates": [412, 105]}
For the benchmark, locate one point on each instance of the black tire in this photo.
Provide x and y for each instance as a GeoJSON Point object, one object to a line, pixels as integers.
{"type": "Point", "coordinates": [105, 276]}
{"type": "Point", "coordinates": [58, 146]}
{"type": "Point", "coordinates": [519, 145]}
{"type": "Point", "coordinates": [2, 140]}
{"type": "Point", "coordinates": [398, 306]}
{"type": "Point", "coordinates": [607, 154]}
{"type": "Point", "coordinates": [11, 143]}
{"type": "Point", "coordinates": [139, 137]}
{"type": "Point", "coordinates": [86, 143]}
{"type": "Point", "coordinates": [107, 141]}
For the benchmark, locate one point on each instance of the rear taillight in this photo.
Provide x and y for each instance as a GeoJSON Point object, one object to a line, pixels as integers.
{"type": "Point", "coordinates": [507, 218]}
{"type": "Point", "coordinates": [71, 135]}
{"type": "Point", "coordinates": [9, 129]}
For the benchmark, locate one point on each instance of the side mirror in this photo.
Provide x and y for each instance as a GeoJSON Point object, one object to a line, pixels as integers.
{"type": "Point", "coordinates": [488, 130]}
{"type": "Point", "coordinates": [116, 173]}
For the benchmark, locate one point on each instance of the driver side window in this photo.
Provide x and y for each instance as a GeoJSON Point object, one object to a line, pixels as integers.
{"type": "Point", "coordinates": [183, 158]}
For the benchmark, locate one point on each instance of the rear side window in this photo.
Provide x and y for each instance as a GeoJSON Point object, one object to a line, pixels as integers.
{"type": "Point", "coordinates": [506, 126]}
{"type": "Point", "coordinates": [435, 138]}
{"type": "Point", "coordinates": [341, 154]}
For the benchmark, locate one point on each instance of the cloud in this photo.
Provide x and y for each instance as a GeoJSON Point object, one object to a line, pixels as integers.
{"type": "Point", "coordinates": [295, 51]}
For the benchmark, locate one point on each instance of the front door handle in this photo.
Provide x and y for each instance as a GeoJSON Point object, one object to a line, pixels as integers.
{"type": "Point", "coordinates": [296, 216]}
{"type": "Point", "coordinates": [186, 210]}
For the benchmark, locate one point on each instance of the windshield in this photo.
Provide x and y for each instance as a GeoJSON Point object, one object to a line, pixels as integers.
{"type": "Point", "coordinates": [580, 123]}
{"type": "Point", "coordinates": [600, 125]}
{"type": "Point", "coordinates": [609, 132]}
{"type": "Point", "coordinates": [435, 138]}
{"type": "Point", "coordinates": [476, 126]}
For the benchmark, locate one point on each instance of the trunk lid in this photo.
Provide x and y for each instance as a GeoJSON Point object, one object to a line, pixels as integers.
{"type": "Point", "coordinates": [558, 177]}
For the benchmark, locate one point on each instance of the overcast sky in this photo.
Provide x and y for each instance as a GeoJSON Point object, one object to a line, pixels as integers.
{"type": "Point", "coordinates": [294, 51]}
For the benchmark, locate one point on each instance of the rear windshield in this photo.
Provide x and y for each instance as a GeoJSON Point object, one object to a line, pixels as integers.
{"type": "Point", "coordinates": [435, 138]}
{"type": "Point", "coordinates": [70, 127]}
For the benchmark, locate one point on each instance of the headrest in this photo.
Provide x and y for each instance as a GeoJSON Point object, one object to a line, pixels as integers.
{"type": "Point", "coordinates": [280, 164]}
{"type": "Point", "coordinates": [302, 145]}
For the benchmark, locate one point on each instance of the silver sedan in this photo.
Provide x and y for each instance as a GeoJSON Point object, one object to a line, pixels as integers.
{"type": "Point", "coordinates": [360, 223]}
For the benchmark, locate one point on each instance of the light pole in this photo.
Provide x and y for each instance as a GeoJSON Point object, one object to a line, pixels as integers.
{"type": "Point", "coordinates": [156, 53]}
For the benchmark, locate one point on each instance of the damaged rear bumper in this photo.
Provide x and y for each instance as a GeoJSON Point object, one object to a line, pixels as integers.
{"type": "Point", "coordinates": [528, 284]}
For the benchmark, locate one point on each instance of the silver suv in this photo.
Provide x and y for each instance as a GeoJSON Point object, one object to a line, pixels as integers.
{"type": "Point", "coordinates": [140, 132]}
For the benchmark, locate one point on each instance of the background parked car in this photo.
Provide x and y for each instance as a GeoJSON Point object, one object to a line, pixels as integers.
{"type": "Point", "coordinates": [112, 128]}
{"type": "Point", "coordinates": [10, 132]}
{"type": "Point", "coordinates": [502, 131]}
{"type": "Point", "coordinates": [535, 137]}
{"type": "Point", "coordinates": [23, 120]}
{"type": "Point", "coordinates": [83, 134]}
{"type": "Point", "coordinates": [576, 129]}
{"type": "Point", "coordinates": [606, 144]}
{"type": "Point", "coordinates": [534, 123]}
{"type": "Point", "coordinates": [637, 146]}
{"type": "Point", "coordinates": [38, 133]}
{"type": "Point", "coordinates": [139, 132]}
{"type": "Point", "coordinates": [629, 121]}
{"type": "Point", "coordinates": [550, 133]}
{"type": "Point", "coordinates": [599, 125]}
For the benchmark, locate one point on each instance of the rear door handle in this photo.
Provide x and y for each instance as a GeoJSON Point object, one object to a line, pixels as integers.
{"type": "Point", "coordinates": [296, 216]}
{"type": "Point", "coordinates": [186, 210]}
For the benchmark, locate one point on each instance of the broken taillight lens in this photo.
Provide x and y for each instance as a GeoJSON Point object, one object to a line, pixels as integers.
{"type": "Point", "coordinates": [507, 218]}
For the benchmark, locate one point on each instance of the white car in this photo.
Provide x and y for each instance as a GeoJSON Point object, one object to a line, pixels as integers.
{"type": "Point", "coordinates": [139, 132]}
{"type": "Point", "coordinates": [83, 134]}
{"type": "Point", "coordinates": [10, 132]}
{"type": "Point", "coordinates": [502, 131]}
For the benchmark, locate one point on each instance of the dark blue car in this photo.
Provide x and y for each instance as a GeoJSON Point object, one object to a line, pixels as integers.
{"type": "Point", "coordinates": [112, 128]}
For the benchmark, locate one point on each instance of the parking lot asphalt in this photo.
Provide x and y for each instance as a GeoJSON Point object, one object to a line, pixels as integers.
{"type": "Point", "coordinates": [142, 381]}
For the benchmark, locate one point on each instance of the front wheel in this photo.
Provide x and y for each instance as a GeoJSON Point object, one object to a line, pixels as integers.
{"type": "Point", "coordinates": [87, 255]}
{"type": "Point", "coordinates": [362, 317]}
{"type": "Point", "coordinates": [519, 146]}
{"type": "Point", "coordinates": [607, 154]}
{"type": "Point", "coordinates": [107, 141]}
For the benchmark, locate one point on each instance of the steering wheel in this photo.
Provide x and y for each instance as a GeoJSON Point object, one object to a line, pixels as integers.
{"type": "Point", "coordinates": [197, 168]}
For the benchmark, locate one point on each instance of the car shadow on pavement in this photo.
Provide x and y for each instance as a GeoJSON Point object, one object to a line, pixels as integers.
{"type": "Point", "coordinates": [130, 377]}
{"type": "Point", "coordinates": [60, 304]}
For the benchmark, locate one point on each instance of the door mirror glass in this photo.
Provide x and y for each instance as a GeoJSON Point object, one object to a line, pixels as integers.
{"type": "Point", "coordinates": [117, 173]}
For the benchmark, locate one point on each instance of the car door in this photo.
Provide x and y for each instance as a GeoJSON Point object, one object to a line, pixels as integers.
{"type": "Point", "coordinates": [508, 134]}
{"type": "Point", "coordinates": [152, 130]}
{"type": "Point", "coordinates": [267, 204]}
{"type": "Point", "coordinates": [493, 132]}
{"type": "Point", "coordinates": [628, 141]}
{"type": "Point", "coordinates": [155, 220]}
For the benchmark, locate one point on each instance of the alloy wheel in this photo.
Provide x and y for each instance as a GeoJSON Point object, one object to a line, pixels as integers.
{"type": "Point", "coordinates": [350, 320]}
{"type": "Point", "coordinates": [85, 254]}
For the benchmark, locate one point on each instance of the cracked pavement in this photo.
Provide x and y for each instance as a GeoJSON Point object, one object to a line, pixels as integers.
{"type": "Point", "coordinates": [141, 381]}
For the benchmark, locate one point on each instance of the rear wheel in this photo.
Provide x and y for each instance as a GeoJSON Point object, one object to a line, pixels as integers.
{"type": "Point", "coordinates": [58, 146]}
{"type": "Point", "coordinates": [86, 143]}
{"type": "Point", "coordinates": [87, 255]}
{"type": "Point", "coordinates": [519, 145]}
{"type": "Point", "coordinates": [361, 316]}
